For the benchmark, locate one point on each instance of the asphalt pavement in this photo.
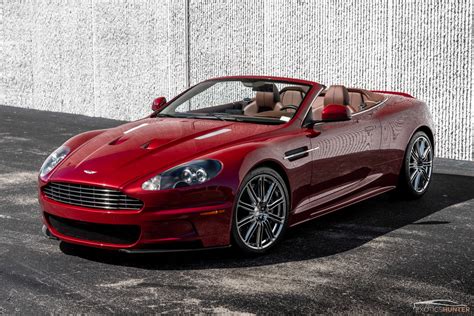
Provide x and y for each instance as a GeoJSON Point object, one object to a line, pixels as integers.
{"type": "Point", "coordinates": [379, 256]}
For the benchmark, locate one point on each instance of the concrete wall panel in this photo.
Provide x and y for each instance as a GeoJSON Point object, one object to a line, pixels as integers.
{"type": "Point", "coordinates": [111, 58]}
{"type": "Point", "coordinates": [16, 54]}
{"type": "Point", "coordinates": [433, 60]}
{"type": "Point", "coordinates": [226, 38]}
{"type": "Point", "coordinates": [328, 41]}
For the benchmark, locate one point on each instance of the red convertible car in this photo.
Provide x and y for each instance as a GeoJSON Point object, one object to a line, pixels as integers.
{"type": "Point", "coordinates": [234, 160]}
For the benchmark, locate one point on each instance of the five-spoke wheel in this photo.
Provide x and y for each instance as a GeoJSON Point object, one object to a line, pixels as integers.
{"type": "Point", "coordinates": [261, 211]}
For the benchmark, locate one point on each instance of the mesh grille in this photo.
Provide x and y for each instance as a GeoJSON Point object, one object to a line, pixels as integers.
{"type": "Point", "coordinates": [113, 234]}
{"type": "Point", "coordinates": [90, 196]}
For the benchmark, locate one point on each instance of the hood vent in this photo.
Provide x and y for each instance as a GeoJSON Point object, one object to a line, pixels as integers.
{"type": "Point", "coordinates": [153, 144]}
{"type": "Point", "coordinates": [146, 145]}
{"type": "Point", "coordinates": [118, 140]}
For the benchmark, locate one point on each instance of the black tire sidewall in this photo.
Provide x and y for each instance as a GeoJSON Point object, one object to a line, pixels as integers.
{"type": "Point", "coordinates": [234, 233]}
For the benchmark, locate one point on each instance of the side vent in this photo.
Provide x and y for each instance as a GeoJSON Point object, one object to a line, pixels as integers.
{"type": "Point", "coordinates": [146, 145]}
{"type": "Point", "coordinates": [296, 153]}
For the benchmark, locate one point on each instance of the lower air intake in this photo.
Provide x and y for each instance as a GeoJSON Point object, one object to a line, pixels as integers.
{"type": "Point", "coordinates": [112, 234]}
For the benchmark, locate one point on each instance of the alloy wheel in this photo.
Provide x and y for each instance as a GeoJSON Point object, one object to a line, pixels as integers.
{"type": "Point", "coordinates": [420, 164]}
{"type": "Point", "coordinates": [261, 212]}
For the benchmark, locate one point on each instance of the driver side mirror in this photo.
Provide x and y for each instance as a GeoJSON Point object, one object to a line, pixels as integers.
{"type": "Point", "coordinates": [335, 112]}
{"type": "Point", "coordinates": [158, 104]}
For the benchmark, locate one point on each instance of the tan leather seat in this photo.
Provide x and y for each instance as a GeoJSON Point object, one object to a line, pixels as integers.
{"type": "Point", "coordinates": [264, 101]}
{"type": "Point", "coordinates": [337, 95]}
{"type": "Point", "coordinates": [292, 96]}
{"type": "Point", "coordinates": [356, 101]}
{"type": "Point", "coordinates": [334, 95]}
{"type": "Point", "coordinates": [369, 98]}
{"type": "Point", "coordinates": [359, 99]}
{"type": "Point", "coordinates": [317, 107]}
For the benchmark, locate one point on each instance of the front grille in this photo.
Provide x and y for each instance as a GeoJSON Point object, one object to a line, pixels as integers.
{"type": "Point", "coordinates": [90, 196]}
{"type": "Point", "coordinates": [113, 234]}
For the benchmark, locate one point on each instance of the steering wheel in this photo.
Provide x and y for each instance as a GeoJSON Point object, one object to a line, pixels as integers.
{"type": "Point", "coordinates": [289, 107]}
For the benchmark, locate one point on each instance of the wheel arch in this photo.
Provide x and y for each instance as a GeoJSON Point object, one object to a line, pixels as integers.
{"type": "Point", "coordinates": [428, 132]}
{"type": "Point", "coordinates": [279, 169]}
{"type": "Point", "coordinates": [402, 186]}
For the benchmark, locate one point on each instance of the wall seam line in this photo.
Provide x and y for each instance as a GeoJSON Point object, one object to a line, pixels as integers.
{"type": "Point", "coordinates": [94, 92]}
{"type": "Point", "coordinates": [390, 46]}
{"type": "Point", "coordinates": [187, 43]}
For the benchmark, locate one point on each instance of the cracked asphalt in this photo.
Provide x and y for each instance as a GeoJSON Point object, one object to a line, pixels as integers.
{"type": "Point", "coordinates": [379, 256]}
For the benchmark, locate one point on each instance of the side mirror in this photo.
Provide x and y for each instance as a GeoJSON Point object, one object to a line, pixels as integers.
{"type": "Point", "coordinates": [335, 112]}
{"type": "Point", "coordinates": [158, 104]}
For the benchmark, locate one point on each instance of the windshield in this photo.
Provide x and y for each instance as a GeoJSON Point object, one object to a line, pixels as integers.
{"type": "Point", "coordinates": [257, 101]}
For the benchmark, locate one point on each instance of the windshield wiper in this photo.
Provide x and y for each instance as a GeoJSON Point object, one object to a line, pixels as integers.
{"type": "Point", "coordinates": [176, 115]}
{"type": "Point", "coordinates": [219, 116]}
{"type": "Point", "coordinates": [164, 115]}
{"type": "Point", "coordinates": [223, 116]}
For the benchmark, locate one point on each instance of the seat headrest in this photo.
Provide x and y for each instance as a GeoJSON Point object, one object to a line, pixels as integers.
{"type": "Point", "coordinates": [291, 97]}
{"type": "Point", "coordinates": [265, 100]}
{"type": "Point", "coordinates": [294, 88]}
{"type": "Point", "coordinates": [276, 93]}
{"type": "Point", "coordinates": [337, 95]}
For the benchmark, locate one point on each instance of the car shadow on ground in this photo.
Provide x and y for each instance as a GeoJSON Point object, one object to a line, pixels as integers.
{"type": "Point", "coordinates": [331, 234]}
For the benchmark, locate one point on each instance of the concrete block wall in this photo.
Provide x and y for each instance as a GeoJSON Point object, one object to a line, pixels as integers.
{"type": "Point", "coordinates": [97, 58]}
{"type": "Point", "coordinates": [110, 58]}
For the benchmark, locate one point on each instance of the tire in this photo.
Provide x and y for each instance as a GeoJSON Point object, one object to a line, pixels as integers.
{"type": "Point", "coordinates": [416, 173]}
{"type": "Point", "coordinates": [260, 220]}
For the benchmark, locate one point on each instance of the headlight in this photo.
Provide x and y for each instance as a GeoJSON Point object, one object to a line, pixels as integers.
{"type": "Point", "coordinates": [194, 172]}
{"type": "Point", "coordinates": [53, 160]}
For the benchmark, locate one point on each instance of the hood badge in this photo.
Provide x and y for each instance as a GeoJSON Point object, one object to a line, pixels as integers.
{"type": "Point", "coordinates": [90, 171]}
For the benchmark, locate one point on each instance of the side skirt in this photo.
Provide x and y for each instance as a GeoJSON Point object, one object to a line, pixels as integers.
{"type": "Point", "coordinates": [146, 251]}
{"type": "Point", "coordinates": [344, 203]}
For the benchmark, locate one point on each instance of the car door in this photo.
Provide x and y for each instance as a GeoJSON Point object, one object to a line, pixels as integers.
{"type": "Point", "coordinates": [344, 158]}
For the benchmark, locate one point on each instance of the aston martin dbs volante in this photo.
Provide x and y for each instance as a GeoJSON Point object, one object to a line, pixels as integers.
{"type": "Point", "coordinates": [234, 160]}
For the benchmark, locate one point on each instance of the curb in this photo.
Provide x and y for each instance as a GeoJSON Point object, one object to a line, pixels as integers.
{"type": "Point", "coordinates": [454, 167]}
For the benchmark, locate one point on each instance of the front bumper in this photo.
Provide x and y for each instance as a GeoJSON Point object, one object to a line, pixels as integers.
{"type": "Point", "coordinates": [146, 230]}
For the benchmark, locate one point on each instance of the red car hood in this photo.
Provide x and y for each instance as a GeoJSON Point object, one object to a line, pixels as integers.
{"type": "Point", "coordinates": [133, 150]}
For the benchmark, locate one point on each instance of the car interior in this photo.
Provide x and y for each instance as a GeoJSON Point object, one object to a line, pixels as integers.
{"type": "Point", "coordinates": [356, 100]}
{"type": "Point", "coordinates": [271, 102]}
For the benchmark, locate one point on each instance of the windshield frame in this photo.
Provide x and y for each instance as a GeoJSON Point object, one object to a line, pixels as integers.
{"type": "Point", "coordinates": [204, 85]}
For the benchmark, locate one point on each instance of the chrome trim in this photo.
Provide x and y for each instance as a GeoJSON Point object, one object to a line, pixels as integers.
{"type": "Point", "coordinates": [371, 108]}
{"type": "Point", "coordinates": [85, 193]}
{"type": "Point", "coordinates": [90, 196]}
{"type": "Point", "coordinates": [91, 199]}
{"type": "Point", "coordinates": [302, 152]}
{"type": "Point", "coordinates": [85, 187]}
